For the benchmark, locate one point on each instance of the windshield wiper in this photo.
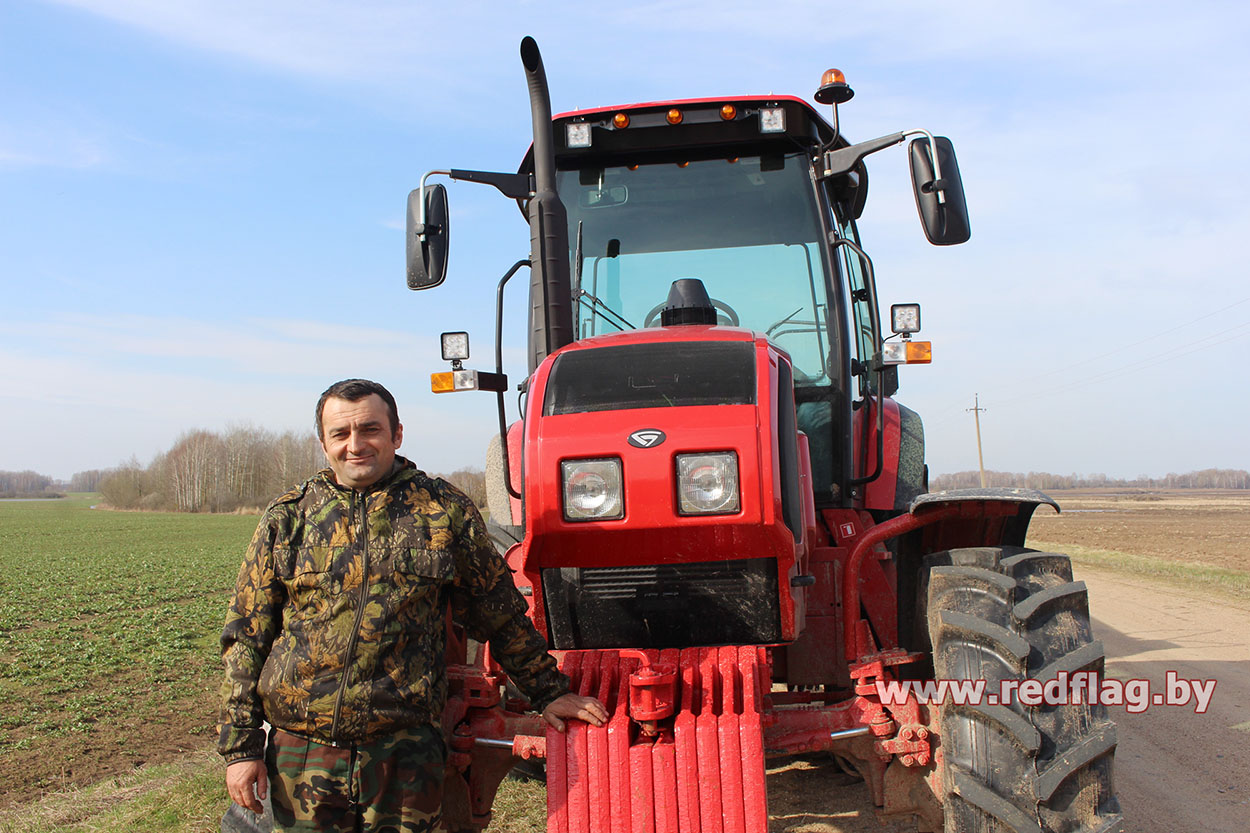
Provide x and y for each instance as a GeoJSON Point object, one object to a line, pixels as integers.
{"type": "Point", "coordinates": [580, 295]}
{"type": "Point", "coordinates": [770, 330]}
{"type": "Point", "coordinates": [600, 308]}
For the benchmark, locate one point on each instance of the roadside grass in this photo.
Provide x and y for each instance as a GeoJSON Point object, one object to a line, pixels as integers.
{"type": "Point", "coordinates": [1234, 584]}
{"type": "Point", "coordinates": [188, 796]}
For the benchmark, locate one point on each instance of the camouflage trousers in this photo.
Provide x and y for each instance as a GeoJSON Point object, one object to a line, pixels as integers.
{"type": "Point", "coordinates": [392, 785]}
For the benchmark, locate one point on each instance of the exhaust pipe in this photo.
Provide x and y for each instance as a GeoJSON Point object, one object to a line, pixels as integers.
{"type": "Point", "coordinates": [551, 294]}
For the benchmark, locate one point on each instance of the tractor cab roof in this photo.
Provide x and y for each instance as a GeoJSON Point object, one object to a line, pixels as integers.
{"type": "Point", "coordinates": [695, 128]}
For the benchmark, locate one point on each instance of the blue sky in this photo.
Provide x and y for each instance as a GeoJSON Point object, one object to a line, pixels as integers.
{"type": "Point", "coordinates": [202, 204]}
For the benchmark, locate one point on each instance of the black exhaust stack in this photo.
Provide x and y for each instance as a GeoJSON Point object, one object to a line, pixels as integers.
{"type": "Point", "coordinates": [551, 301]}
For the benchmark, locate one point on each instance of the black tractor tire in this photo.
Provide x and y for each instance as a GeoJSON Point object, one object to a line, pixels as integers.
{"type": "Point", "coordinates": [1008, 613]}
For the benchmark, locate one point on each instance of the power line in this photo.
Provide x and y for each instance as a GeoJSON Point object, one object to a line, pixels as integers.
{"type": "Point", "coordinates": [1148, 339]}
{"type": "Point", "coordinates": [1148, 361]}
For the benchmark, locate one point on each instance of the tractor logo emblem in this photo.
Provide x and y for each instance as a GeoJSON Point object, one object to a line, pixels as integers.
{"type": "Point", "coordinates": [646, 438]}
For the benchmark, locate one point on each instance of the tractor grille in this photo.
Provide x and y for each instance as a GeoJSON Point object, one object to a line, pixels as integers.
{"type": "Point", "coordinates": [709, 578]}
{"type": "Point", "coordinates": [663, 605]}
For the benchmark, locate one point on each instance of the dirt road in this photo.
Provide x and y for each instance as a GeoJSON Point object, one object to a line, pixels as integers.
{"type": "Point", "coordinates": [1176, 771]}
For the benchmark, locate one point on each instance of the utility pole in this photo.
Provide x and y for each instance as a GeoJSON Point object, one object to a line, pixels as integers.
{"type": "Point", "coordinates": [976, 414]}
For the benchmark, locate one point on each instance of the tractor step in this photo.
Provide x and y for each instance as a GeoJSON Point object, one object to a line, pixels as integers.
{"type": "Point", "coordinates": [701, 770]}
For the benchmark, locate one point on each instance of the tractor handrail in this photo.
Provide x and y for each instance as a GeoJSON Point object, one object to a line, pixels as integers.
{"type": "Point", "coordinates": [503, 418]}
{"type": "Point", "coordinates": [850, 590]}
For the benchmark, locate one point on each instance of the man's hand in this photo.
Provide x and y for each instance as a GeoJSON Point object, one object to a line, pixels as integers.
{"type": "Point", "coordinates": [241, 778]}
{"type": "Point", "coordinates": [575, 707]}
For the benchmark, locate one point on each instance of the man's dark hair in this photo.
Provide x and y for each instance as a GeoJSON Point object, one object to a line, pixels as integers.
{"type": "Point", "coordinates": [354, 390]}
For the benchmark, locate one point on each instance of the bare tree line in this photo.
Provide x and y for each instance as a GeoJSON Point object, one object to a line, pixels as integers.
{"type": "Point", "coordinates": [1205, 479]}
{"type": "Point", "coordinates": [209, 472]}
{"type": "Point", "coordinates": [88, 481]}
{"type": "Point", "coordinates": [26, 484]}
{"type": "Point", "coordinates": [245, 468]}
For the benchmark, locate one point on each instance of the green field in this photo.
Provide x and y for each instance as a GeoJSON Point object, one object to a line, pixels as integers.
{"type": "Point", "coordinates": [109, 670]}
{"type": "Point", "coordinates": [108, 631]}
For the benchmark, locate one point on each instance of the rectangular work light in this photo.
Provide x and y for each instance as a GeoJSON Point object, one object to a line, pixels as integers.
{"type": "Point", "coordinates": [577, 135]}
{"type": "Point", "coordinates": [455, 346]}
{"type": "Point", "coordinates": [773, 120]}
{"type": "Point", "coordinates": [905, 318]}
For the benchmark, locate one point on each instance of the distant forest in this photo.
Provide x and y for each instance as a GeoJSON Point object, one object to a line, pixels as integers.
{"type": "Point", "coordinates": [26, 484]}
{"type": "Point", "coordinates": [1205, 479]}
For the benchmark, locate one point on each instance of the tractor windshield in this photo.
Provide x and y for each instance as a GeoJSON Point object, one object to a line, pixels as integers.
{"type": "Point", "coordinates": [746, 226]}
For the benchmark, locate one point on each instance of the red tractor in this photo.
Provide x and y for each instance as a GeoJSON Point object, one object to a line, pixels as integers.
{"type": "Point", "coordinates": [720, 515]}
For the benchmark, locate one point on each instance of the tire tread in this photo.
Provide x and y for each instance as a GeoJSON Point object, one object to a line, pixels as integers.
{"type": "Point", "coordinates": [1009, 612]}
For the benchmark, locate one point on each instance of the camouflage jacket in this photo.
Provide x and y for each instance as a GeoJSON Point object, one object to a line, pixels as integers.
{"type": "Point", "coordinates": [337, 629]}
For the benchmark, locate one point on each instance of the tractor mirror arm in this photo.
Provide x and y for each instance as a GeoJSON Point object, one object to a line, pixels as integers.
{"type": "Point", "coordinates": [514, 186]}
{"type": "Point", "coordinates": [844, 160]}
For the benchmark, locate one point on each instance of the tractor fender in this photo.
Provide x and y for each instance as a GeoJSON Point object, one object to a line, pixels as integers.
{"type": "Point", "coordinates": [986, 517]}
{"type": "Point", "coordinates": [935, 522]}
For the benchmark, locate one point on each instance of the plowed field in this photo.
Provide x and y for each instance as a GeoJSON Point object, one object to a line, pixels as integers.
{"type": "Point", "coordinates": [1193, 526]}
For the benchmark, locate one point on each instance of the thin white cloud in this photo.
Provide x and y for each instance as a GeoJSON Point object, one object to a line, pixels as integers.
{"type": "Point", "coordinates": [52, 146]}
{"type": "Point", "coordinates": [372, 39]}
{"type": "Point", "coordinates": [92, 411]}
{"type": "Point", "coordinates": [248, 345]}
{"type": "Point", "coordinates": [308, 37]}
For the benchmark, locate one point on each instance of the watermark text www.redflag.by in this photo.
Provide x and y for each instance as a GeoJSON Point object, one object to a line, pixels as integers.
{"type": "Point", "coordinates": [1078, 687]}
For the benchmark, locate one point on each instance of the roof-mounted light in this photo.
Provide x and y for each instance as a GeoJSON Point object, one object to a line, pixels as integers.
{"type": "Point", "coordinates": [773, 120]}
{"type": "Point", "coordinates": [833, 88]}
{"type": "Point", "coordinates": [674, 116]}
{"type": "Point", "coordinates": [620, 121]}
{"type": "Point", "coordinates": [728, 112]}
{"type": "Point", "coordinates": [577, 134]}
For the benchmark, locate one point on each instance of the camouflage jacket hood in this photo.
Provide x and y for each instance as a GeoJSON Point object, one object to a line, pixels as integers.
{"type": "Point", "coordinates": [337, 629]}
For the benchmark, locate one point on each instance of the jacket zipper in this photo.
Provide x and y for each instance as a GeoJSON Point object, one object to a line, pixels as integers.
{"type": "Point", "coordinates": [360, 611]}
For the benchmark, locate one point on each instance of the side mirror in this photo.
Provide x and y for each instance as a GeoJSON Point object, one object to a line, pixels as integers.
{"type": "Point", "coordinates": [946, 222]}
{"type": "Point", "coordinates": [427, 242]}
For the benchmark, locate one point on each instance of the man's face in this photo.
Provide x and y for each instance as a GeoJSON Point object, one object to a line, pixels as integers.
{"type": "Point", "coordinates": [356, 437]}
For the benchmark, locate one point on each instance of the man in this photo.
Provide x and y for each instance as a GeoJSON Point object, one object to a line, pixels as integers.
{"type": "Point", "coordinates": [336, 633]}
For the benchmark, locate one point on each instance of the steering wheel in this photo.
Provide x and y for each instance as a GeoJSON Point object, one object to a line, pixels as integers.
{"type": "Point", "coordinates": [725, 315]}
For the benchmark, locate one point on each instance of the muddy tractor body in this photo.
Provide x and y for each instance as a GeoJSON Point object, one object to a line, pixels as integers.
{"type": "Point", "coordinates": [718, 511]}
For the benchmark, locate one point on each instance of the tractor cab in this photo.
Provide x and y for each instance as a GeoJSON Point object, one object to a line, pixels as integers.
{"type": "Point", "coordinates": [721, 191]}
{"type": "Point", "coordinates": [756, 198]}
